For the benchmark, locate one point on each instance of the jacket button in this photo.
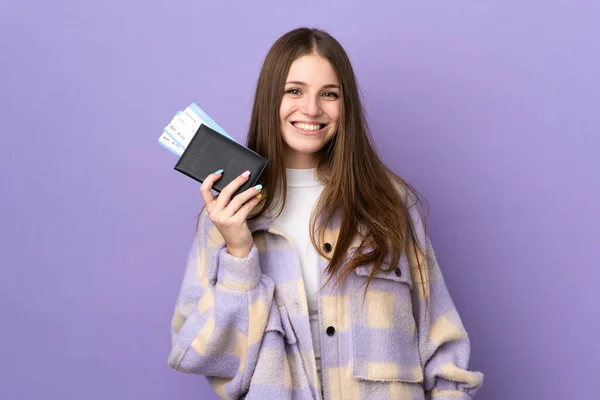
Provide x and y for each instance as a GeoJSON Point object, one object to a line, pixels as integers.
{"type": "Point", "coordinates": [330, 331]}
{"type": "Point", "coordinates": [398, 271]}
{"type": "Point", "coordinates": [327, 247]}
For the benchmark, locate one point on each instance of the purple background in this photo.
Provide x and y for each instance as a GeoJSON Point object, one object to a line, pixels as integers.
{"type": "Point", "coordinates": [491, 110]}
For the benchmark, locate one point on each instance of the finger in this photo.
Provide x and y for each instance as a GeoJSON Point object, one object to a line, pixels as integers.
{"type": "Point", "coordinates": [241, 199]}
{"type": "Point", "coordinates": [206, 187]}
{"type": "Point", "coordinates": [227, 192]}
{"type": "Point", "coordinates": [244, 211]}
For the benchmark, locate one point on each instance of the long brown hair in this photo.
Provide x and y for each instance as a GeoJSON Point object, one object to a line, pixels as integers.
{"type": "Point", "coordinates": [372, 199]}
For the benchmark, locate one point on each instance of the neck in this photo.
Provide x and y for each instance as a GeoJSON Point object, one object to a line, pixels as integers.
{"type": "Point", "coordinates": [296, 160]}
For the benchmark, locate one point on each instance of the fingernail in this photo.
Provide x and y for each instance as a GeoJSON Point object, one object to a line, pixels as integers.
{"type": "Point", "coordinates": [258, 187]}
{"type": "Point", "coordinates": [258, 196]}
{"type": "Point", "coordinates": [246, 174]}
{"type": "Point", "coordinates": [219, 172]}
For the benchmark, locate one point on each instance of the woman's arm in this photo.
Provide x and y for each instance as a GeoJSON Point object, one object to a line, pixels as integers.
{"type": "Point", "coordinates": [444, 345]}
{"type": "Point", "coordinates": [221, 313]}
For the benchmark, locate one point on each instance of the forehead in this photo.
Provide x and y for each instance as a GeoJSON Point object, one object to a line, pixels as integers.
{"type": "Point", "coordinates": [313, 70]}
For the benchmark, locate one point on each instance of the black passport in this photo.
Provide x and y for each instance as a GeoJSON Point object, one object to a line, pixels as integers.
{"type": "Point", "coordinates": [209, 151]}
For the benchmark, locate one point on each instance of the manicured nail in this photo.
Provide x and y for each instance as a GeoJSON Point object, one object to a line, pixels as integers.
{"type": "Point", "coordinates": [246, 174]}
{"type": "Point", "coordinates": [258, 187]}
{"type": "Point", "coordinates": [219, 172]}
{"type": "Point", "coordinates": [258, 196]}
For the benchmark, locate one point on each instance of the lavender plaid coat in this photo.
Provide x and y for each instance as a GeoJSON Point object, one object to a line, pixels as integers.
{"type": "Point", "coordinates": [243, 323]}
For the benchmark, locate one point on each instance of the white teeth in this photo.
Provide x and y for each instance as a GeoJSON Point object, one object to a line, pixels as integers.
{"type": "Point", "coordinates": [307, 127]}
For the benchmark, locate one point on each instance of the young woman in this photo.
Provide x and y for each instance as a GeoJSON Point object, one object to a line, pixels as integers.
{"type": "Point", "coordinates": [322, 284]}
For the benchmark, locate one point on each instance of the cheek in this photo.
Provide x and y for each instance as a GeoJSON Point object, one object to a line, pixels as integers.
{"type": "Point", "coordinates": [333, 112]}
{"type": "Point", "coordinates": [285, 109]}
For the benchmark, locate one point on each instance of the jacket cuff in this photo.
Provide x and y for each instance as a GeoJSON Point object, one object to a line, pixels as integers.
{"type": "Point", "coordinates": [238, 273]}
{"type": "Point", "coordinates": [449, 395]}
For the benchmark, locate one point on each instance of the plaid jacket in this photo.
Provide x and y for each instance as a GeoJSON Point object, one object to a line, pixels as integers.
{"type": "Point", "coordinates": [243, 323]}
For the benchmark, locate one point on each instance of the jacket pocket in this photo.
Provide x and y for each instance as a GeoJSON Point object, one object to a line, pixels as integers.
{"type": "Point", "coordinates": [279, 321]}
{"type": "Point", "coordinates": [280, 372]}
{"type": "Point", "coordinates": [384, 333]}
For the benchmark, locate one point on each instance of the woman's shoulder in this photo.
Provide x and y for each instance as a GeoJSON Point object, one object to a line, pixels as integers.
{"type": "Point", "coordinates": [407, 195]}
{"type": "Point", "coordinates": [413, 201]}
{"type": "Point", "coordinates": [203, 223]}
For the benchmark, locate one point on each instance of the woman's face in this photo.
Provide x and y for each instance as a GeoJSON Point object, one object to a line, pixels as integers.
{"type": "Point", "coordinates": [309, 110]}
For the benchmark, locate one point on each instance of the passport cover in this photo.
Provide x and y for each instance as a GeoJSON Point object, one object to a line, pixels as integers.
{"type": "Point", "coordinates": [209, 151]}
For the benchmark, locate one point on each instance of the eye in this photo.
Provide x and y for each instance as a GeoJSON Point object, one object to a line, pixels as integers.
{"type": "Point", "coordinates": [332, 95]}
{"type": "Point", "coordinates": [295, 92]}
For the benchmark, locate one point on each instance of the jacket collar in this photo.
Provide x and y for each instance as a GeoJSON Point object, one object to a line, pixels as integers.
{"type": "Point", "coordinates": [261, 223]}
{"type": "Point", "coordinates": [265, 222]}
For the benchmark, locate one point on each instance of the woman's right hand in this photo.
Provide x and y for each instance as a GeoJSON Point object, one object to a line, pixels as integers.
{"type": "Point", "coordinates": [229, 215]}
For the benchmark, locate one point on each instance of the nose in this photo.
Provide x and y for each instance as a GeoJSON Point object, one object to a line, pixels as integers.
{"type": "Point", "coordinates": [311, 106]}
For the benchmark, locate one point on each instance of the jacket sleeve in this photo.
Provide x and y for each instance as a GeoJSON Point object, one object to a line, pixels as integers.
{"type": "Point", "coordinates": [444, 345]}
{"type": "Point", "coordinates": [220, 314]}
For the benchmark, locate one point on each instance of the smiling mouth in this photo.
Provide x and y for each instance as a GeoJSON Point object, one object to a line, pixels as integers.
{"type": "Point", "coordinates": [309, 127]}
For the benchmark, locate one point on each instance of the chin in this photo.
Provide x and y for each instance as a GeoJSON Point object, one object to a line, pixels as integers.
{"type": "Point", "coordinates": [304, 149]}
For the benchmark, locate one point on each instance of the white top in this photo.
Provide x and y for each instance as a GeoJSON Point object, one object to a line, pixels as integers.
{"type": "Point", "coordinates": [303, 191]}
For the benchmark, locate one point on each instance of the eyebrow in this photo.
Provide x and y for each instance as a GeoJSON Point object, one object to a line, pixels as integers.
{"type": "Point", "coordinates": [299, 83]}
